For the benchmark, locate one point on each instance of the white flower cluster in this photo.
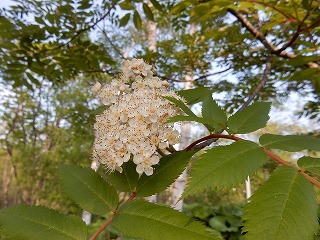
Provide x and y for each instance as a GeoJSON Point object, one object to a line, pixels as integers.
{"type": "Point", "coordinates": [133, 125]}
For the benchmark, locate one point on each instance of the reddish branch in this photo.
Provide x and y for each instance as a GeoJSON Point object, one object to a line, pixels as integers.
{"type": "Point", "coordinates": [270, 154]}
{"type": "Point", "coordinates": [106, 224]}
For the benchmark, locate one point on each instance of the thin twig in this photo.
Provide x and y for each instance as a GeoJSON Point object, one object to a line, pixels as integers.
{"type": "Point", "coordinates": [196, 79]}
{"type": "Point", "coordinates": [261, 37]}
{"type": "Point", "coordinates": [261, 84]}
{"type": "Point", "coordinates": [89, 27]}
{"type": "Point", "coordinates": [111, 43]}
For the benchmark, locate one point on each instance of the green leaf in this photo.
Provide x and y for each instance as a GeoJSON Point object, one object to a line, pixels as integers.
{"type": "Point", "coordinates": [125, 19]}
{"type": "Point", "coordinates": [33, 79]}
{"type": "Point", "coordinates": [88, 189]}
{"type": "Point", "coordinates": [144, 220]}
{"type": "Point", "coordinates": [225, 166]}
{"type": "Point", "coordinates": [157, 5]}
{"type": "Point", "coordinates": [290, 143]}
{"type": "Point", "coordinates": [301, 60]}
{"type": "Point", "coordinates": [181, 6]}
{"type": "Point", "coordinates": [23, 222]}
{"type": "Point", "coordinates": [310, 164]}
{"type": "Point", "coordinates": [137, 20]}
{"type": "Point", "coordinates": [195, 95]}
{"type": "Point", "coordinates": [125, 5]}
{"type": "Point", "coordinates": [306, 74]}
{"type": "Point", "coordinates": [147, 11]}
{"type": "Point", "coordinates": [181, 104]}
{"type": "Point", "coordinates": [164, 174]}
{"type": "Point", "coordinates": [284, 207]}
{"type": "Point", "coordinates": [213, 113]}
{"type": "Point", "coordinates": [250, 119]}
{"type": "Point", "coordinates": [127, 180]}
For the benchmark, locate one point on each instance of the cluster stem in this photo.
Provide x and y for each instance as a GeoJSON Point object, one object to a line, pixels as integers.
{"type": "Point", "coordinates": [106, 224]}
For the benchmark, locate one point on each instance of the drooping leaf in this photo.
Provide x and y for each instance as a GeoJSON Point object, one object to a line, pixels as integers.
{"type": "Point", "coordinates": [33, 79]}
{"type": "Point", "coordinates": [164, 174]}
{"type": "Point", "coordinates": [225, 166]}
{"type": "Point", "coordinates": [213, 113]}
{"type": "Point", "coordinates": [125, 5]}
{"type": "Point", "coordinates": [147, 11]}
{"type": "Point", "coordinates": [157, 5]}
{"type": "Point", "coordinates": [144, 220]}
{"type": "Point", "coordinates": [137, 20]}
{"type": "Point", "coordinates": [125, 19]}
{"type": "Point", "coordinates": [310, 164]}
{"type": "Point", "coordinates": [291, 143]}
{"type": "Point", "coordinates": [280, 208]}
{"type": "Point", "coordinates": [250, 119]}
{"type": "Point", "coordinates": [88, 189]}
{"type": "Point", "coordinates": [301, 60]}
{"type": "Point", "coordinates": [23, 222]}
{"type": "Point", "coordinates": [181, 104]}
{"type": "Point", "coordinates": [195, 95]}
{"type": "Point", "coordinates": [181, 6]}
{"type": "Point", "coordinates": [127, 180]}
{"type": "Point", "coordinates": [306, 74]}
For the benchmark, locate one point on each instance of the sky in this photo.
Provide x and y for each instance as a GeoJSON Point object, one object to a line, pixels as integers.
{"type": "Point", "coordinates": [5, 3]}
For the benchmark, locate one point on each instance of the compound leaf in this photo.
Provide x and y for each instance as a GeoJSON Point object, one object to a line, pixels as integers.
{"type": "Point", "coordinates": [144, 220]}
{"type": "Point", "coordinates": [225, 166]}
{"type": "Point", "coordinates": [280, 208]}
{"type": "Point", "coordinates": [88, 189]}
{"type": "Point", "coordinates": [23, 222]}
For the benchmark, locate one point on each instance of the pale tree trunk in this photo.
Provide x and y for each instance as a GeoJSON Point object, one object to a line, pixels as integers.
{"type": "Point", "coordinates": [86, 216]}
{"type": "Point", "coordinates": [185, 140]}
{"type": "Point", "coordinates": [151, 47]}
{"type": "Point", "coordinates": [248, 188]}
